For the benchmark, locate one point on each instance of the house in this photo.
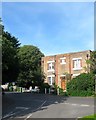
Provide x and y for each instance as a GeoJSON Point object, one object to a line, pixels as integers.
{"type": "Point", "coordinates": [57, 67]}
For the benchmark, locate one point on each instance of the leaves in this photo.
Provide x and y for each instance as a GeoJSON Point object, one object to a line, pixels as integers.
{"type": "Point", "coordinates": [93, 62]}
{"type": "Point", "coordinates": [84, 83]}
{"type": "Point", "coordinates": [10, 63]}
{"type": "Point", "coordinates": [30, 66]}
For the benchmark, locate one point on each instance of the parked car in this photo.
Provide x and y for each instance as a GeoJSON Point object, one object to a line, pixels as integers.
{"type": "Point", "coordinates": [36, 89]}
{"type": "Point", "coordinates": [52, 90]}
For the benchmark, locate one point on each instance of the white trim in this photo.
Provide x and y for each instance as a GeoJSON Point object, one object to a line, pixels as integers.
{"type": "Point", "coordinates": [76, 74]}
{"type": "Point", "coordinates": [50, 61]}
{"type": "Point", "coordinates": [51, 76]}
{"type": "Point", "coordinates": [51, 80]}
{"type": "Point", "coordinates": [63, 63]}
{"type": "Point", "coordinates": [63, 58]}
{"type": "Point", "coordinates": [77, 58]}
{"type": "Point", "coordinates": [62, 75]}
{"type": "Point", "coordinates": [77, 68]}
{"type": "Point", "coordinates": [51, 70]}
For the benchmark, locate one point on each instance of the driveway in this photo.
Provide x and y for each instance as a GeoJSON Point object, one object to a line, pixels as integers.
{"type": "Point", "coordinates": [30, 105]}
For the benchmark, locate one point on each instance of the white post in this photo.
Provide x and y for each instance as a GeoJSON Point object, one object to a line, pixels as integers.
{"type": "Point", "coordinates": [57, 91]}
{"type": "Point", "coordinates": [45, 91]}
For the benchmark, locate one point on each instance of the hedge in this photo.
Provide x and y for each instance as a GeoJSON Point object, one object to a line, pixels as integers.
{"type": "Point", "coordinates": [82, 85]}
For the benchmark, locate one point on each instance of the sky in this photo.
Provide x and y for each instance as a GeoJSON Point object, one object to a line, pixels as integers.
{"type": "Point", "coordinates": [54, 27]}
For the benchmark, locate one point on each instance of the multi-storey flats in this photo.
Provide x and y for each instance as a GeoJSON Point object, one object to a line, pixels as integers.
{"type": "Point", "coordinates": [56, 67]}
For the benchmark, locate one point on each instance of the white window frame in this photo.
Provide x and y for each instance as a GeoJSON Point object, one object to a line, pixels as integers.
{"type": "Point", "coordinates": [62, 75]}
{"type": "Point", "coordinates": [63, 60]}
{"type": "Point", "coordinates": [51, 62]}
{"type": "Point", "coordinates": [51, 76]}
{"type": "Point", "coordinates": [77, 64]}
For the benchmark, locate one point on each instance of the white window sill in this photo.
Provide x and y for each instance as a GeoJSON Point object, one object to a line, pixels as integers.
{"type": "Point", "coordinates": [77, 68]}
{"type": "Point", "coordinates": [74, 75]}
{"type": "Point", "coordinates": [63, 63]}
{"type": "Point", "coordinates": [52, 70]}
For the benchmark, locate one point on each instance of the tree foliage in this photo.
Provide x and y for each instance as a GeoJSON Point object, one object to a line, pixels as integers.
{"type": "Point", "coordinates": [10, 63]}
{"type": "Point", "coordinates": [82, 85]}
{"type": "Point", "coordinates": [93, 62]}
{"type": "Point", "coordinates": [30, 66]}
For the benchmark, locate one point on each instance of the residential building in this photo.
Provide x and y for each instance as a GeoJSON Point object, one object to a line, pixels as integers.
{"type": "Point", "coordinates": [57, 67]}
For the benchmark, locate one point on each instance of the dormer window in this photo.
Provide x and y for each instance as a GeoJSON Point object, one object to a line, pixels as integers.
{"type": "Point", "coordinates": [63, 60]}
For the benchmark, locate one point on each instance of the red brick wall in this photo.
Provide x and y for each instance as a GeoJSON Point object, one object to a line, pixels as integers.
{"type": "Point", "coordinates": [68, 67]}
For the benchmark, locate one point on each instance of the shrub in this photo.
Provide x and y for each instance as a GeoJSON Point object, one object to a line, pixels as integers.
{"type": "Point", "coordinates": [82, 85]}
{"type": "Point", "coordinates": [61, 92]}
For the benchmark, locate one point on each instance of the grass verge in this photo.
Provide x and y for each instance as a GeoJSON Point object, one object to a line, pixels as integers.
{"type": "Point", "coordinates": [89, 117]}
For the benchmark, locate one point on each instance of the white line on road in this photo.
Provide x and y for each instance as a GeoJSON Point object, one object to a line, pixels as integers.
{"type": "Point", "coordinates": [75, 104]}
{"type": "Point", "coordinates": [84, 105]}
{"type": "Point", "coordinates": [7, 115]}
{"type": "Point", "coordinates": [35, 110]}
{"type": "Point", "coordinates": [22, 108]}
{"type": "Point", "coordinates": [66, 103]}
{"type": "Point", "coordinates": [14, 113]}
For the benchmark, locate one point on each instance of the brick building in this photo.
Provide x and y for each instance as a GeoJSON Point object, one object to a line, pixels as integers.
{"type": "Point", "coordinates": [57, 67]}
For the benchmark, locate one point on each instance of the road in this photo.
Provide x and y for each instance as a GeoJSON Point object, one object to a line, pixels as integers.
{"type": "Point", "coordinates": [30, 105]}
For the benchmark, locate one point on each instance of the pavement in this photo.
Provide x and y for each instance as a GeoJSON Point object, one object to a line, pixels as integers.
{"type": "Point", "coordinates": [34, 105]}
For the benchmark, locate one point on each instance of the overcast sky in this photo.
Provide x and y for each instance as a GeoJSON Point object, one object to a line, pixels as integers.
{"type": "Point", "coordinates": [54, 28]}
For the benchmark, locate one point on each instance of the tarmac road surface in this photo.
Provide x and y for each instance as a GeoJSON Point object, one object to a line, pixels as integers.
{"type": "Point", "coordinates": [30, 105]}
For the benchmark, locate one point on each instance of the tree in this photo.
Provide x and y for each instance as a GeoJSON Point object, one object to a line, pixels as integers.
{"type": "Point", "coordinates": [93, 62]}
{"type": "Point", "coordinates": [30, 66]}
{"type": "Point", "coordinates": [1, 47]}
{"type": "Point", "coordinates": [10, 63]}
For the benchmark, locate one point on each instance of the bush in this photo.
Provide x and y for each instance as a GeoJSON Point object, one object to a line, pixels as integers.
{"type": "Point", "coordinates": [82, 85]}
{"type": "Point", "coordinates": [61, 92]}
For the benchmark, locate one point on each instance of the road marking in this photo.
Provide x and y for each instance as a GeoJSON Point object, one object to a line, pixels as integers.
{"type": "Point", "coordinates": [66, 103]}
{"type": "Point", "coordinates": [14, 113]}
{"type": "Point", "coordinates": [75, 104]}
{"type": "Point", "coordinates": [84, 105]}
{"type": "Point", "coordinates": [22, 108]}
{"type": "Point", "coordinates": [7, 115]}
{"type": "Point", "coordinates": [10, 114]}
{"type": "Point", "coordinates": [35, 110]}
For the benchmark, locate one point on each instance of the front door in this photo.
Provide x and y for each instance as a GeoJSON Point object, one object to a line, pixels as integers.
{"type": "Point", "coordinates": [63, 84]}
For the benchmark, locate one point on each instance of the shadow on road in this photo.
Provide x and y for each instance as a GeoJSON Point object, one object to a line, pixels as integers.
{"type": "Point", "coordinates": [20, 105]}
